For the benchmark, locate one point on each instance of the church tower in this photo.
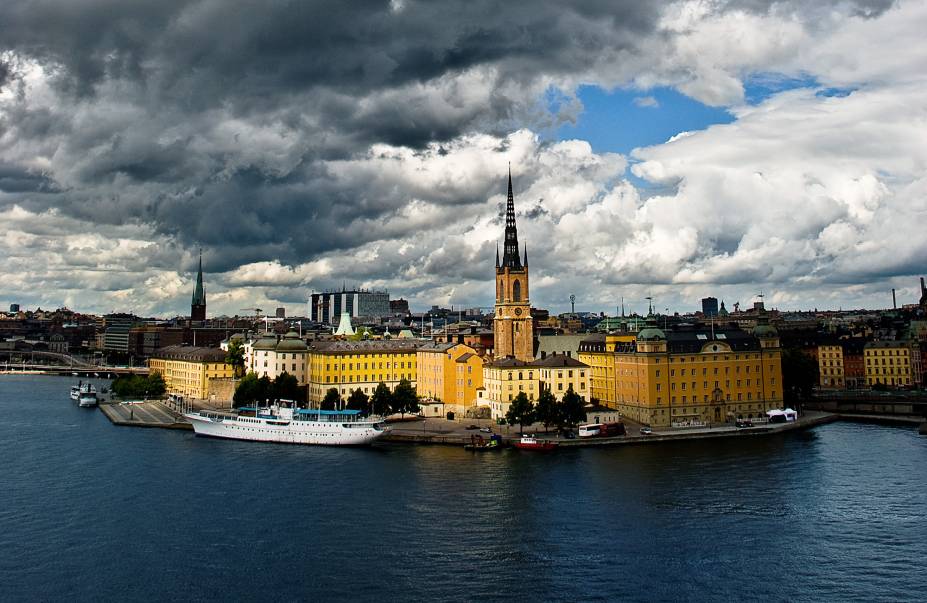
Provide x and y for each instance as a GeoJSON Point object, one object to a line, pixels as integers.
{"type": "Point", "coordinates": [513, 330]}
{"type": "Point", "coordinates": [198, 305]}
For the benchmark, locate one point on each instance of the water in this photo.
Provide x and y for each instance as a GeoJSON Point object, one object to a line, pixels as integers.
{"type": "Point", "coordinates": [90, 511]}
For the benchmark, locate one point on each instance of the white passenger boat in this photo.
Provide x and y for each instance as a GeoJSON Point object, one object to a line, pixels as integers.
{"type": "Point", "coordinates": [84, 394]}
{"type": "Point", "coordinates": [286, 425]}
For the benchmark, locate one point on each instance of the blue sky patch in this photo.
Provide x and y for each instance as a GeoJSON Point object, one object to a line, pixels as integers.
{"type": "Point", "coordinates": [624, 119]}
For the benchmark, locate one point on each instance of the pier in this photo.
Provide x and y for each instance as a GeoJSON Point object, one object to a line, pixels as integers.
{"type": "Point", "coordinates": [152, 413]}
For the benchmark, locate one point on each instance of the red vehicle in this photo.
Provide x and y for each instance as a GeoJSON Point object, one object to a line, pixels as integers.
{"type": "Point", "coordinates": [612, 429]}
{"type": "Point", "coordinates": [530, 443]}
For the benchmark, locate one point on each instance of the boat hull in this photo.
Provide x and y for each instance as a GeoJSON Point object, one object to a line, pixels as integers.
{"type": "Point", "coordinates": [317, 433]}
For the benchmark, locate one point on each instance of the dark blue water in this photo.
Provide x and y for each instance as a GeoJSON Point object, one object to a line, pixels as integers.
{"type": "Point", "coordinates": [90, 511]}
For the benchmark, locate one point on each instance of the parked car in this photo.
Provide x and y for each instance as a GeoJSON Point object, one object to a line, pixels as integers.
{"type": "Point", "coordinates": [472, 427]}
{"type": "Point", "coordinates": [744, 423]}
{"type": "Point", "coordinates": [646, 430]}
{"type": "Point", "coordinates": [486, 429]}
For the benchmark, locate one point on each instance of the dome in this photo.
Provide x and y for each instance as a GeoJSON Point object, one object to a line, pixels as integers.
{"type": "Point", "coordinates": [291, 343]}
{"type": "Point", "coordinates": [265, 343]}
{"type": "Point", "coordinates": [651, 334]}
{"type": "Point", "coordinates": [763, 330]}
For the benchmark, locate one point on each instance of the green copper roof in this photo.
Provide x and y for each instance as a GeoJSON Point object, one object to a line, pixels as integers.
{"type": "Point", "coordinates": [199, 296]}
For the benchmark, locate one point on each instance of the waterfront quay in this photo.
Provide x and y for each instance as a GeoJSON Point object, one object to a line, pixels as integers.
{"type": "Point", "coordinates": [442, 432]}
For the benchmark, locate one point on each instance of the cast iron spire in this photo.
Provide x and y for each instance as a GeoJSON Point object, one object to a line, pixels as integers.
{"type": "Point", "coordinates": [199, 296]}
{"type": "Point", "coordinates": [510, 258]}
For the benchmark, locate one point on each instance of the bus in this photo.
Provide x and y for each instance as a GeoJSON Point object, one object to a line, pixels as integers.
{"type": "Point", "coordinates": [589, 431]}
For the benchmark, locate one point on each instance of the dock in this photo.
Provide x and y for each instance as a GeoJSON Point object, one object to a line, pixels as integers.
{"type": "Point", "coordinates": [144, 414]}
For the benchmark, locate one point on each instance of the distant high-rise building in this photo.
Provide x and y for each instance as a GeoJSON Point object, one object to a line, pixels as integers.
{"type": "Point", "coordinates": [281, 312]}
{"type": "Point", "coordinates": [14, 307]}
{"type": "Point", "coordinates": [198, 305]}
{"type": "Point", "coordinates": [327, 307]}
{"type": "Point", "coordinates": [710, 306]}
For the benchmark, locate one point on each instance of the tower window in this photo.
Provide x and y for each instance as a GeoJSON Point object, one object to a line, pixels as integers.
{"type": "Point", "coordinates": [516, 291]}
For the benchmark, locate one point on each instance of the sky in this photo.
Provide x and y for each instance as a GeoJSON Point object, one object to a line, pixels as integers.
{"type": "Point", "coordinates": [667, 149]}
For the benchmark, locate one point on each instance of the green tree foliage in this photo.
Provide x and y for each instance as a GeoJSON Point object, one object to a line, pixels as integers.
{"type": "Point", "coordinates": [548, 410]}
{"type": "Point", "coordinates": [382, 401]}
{"type": "Point", "coordinates": [286, 387]}
{"type": "Point", "coordinates": [573, 408]}
{"type": "Point", "coordinates": [136, 386]}
{"type": "Point", "coordinates": [404, 399]}
{"type": "Point", "coordinates": [235, 356]}
{"type": "Point", "coordinates": [253, 390]}
{"type": "Point", "coordinates": [799, 376]}
{"type": "Point", "coordinates": [332, 400]}
{"type": "Point", "coordinates": [521, 411]}
{"type": "Point", "coordinates": [358, 400]}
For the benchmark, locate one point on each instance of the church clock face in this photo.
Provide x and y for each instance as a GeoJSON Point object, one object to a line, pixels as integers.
{"type": "Point", "coordinates": [517, 311]}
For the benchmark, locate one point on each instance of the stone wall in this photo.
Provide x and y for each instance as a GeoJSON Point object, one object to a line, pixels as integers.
{"type": "Point", "coordinates": [222, 390]}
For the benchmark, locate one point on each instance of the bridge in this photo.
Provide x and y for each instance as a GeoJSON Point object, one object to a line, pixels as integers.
{"type": "Point", "coordinates": [69, 365]}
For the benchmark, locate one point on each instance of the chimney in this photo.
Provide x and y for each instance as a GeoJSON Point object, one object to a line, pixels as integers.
{"type": "Point", "coordinates": [922, 283]}
{"type": "Point", "coordinates": [895, 303]}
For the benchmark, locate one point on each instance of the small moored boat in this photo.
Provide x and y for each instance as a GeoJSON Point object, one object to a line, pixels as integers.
{"type": "Point", "coordinates": [479, 444]}
{"type": "Point", "coordinates": [532, 443]}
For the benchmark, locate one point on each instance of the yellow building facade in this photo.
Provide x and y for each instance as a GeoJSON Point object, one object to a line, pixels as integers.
{"type": "Point", "coordinates": [890, 363]}
{"type": "Point", "coordinates": [598, 353]}
{"type": "Point", "coordinates": [559, 373]}
{"type": "Point", "coordinates": [696, 377]}
{"type": "Point", "coordinates": [505, 378]}
{"type": "Point", "coordinates": [187, 370]}
{"type": "Point", "coordinates": [350, 365]}
{"type": "Point", "coordinates": [449, 372]}
{"type": "Point", "coordinates": [830, 366]}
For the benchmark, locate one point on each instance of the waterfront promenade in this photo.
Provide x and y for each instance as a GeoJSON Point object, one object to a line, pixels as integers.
{"type": "Point", "coordinates": [437, 431]}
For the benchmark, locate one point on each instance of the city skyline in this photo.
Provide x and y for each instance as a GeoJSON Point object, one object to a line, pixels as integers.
{"type": "Point", "coordinates": [681, 151]}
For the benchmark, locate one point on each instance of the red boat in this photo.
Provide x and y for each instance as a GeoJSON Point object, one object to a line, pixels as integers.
{"type": "Point", "coordinates": [530, 443]}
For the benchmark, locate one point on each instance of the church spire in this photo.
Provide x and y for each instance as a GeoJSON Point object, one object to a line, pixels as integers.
{"type": "Point", "coordinates": [497, 255]}
{"type": "Point", "coordinates": [199, 296]}
{"type": "Point", "coordinates": [510, 258]}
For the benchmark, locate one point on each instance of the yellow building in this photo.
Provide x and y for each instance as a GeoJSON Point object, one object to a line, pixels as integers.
{"type": "Point", "coordinates": [830, 366]}
{"type": "Point", "coordinates": [598, 353]}
{"type": "Point", "coordinates": [505, 378]}
{"type": "Point", "coordinates": [350, 365]}
{"type": "Point", "coordinates": [450, 373]}
{"type": "Point", "coordinates": [187, 370]}
{"type": "Point", "coordinates": [890, 363]}
{"type": "Point", "coordinates": [698, 376]}
{"type": "Point", "coordinates": [558, 373]}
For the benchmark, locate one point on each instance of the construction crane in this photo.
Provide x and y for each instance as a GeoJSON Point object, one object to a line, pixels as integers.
{"type": "Point", "coordinates": [257, 312]}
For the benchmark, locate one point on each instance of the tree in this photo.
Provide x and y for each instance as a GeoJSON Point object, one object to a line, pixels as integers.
{"type": "Point", "coordinates": [265, 389]}
{"type": "Point", "coordinates": [247, 391]}
{"type": "Point", "coordinates": [358, 400]}
{"type": "Point", "coordinates": [156, 386]}
{"type": "Point", "coordinates": [286, 387]}
{"type": "Point", "coordinates": [547, 410]}
{"type": "Point", "coordinates": [572, 408]}
{"type": "Point", "coordinates": [332, 400]}
{"type": "Point", "coordinates": [404, 399]}
{"type": "Point", "coordinates": [521, 411]}
{"type": "Point", "coordinates": [235, 356]}
{"type": "Point", "coordinates": [382, 401]}
{"type": "Point", "coordinates": [799, 376]}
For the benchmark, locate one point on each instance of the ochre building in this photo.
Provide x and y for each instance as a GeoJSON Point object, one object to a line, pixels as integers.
{"type": "Point", "coordinates": [698, 376]}
{"type": "Point", "coordinates": [830, 366]}
{"type": "Point", "coordinates": [187, 370]}
{"type": "Point", "coordinates": [892, 363]}
{"type": "Point", "coordinates": [449, 373]}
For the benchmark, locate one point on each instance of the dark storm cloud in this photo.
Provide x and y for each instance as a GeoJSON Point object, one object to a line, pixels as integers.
{"type": "Point", "coordinates": [17, 179]}
{"type": "Point", "coordinates": [211, 120]}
